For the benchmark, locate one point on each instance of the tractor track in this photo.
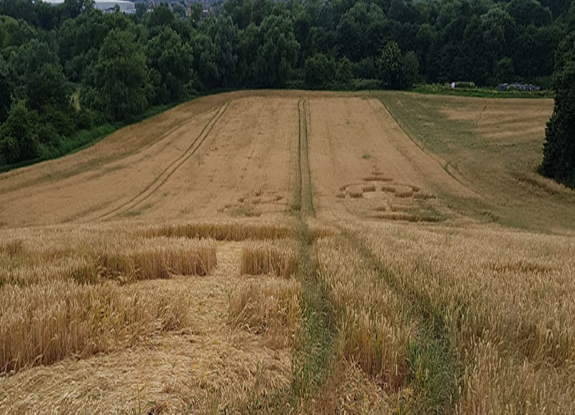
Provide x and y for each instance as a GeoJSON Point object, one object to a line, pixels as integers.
{"type": "Point", "coordinates": [304, 173]}
{"type": "Point", "coordinates": [163, 177]}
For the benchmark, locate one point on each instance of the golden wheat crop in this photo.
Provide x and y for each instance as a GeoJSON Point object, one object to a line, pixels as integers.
{"type": "Point", "coordinates": [271, 308]}
{"type": "Point", "coordinates": [44, 323]}
{"type": "Point", "coordinates": [506, 299]}
{"type": "Point", "coordinates": [269, 258]}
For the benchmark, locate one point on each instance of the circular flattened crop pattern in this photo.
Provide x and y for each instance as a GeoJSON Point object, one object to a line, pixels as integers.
{"type": "Point", "coordinates": [381, 197]}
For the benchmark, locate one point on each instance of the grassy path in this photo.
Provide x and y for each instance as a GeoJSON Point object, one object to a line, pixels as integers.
{"type": "Point", "coordinates": [312, 359]}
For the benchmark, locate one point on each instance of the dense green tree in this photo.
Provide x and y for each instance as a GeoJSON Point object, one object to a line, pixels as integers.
{"type": "Point", "coordinates": [344, 73]}
{"type": "Point", "coordinates": [161, 16]}
{"type": "Point", "coordinates": [224, 35]}
{"type": "Point", "coordinates": [410, 71]}
{"type": "Point", "coordinates": [119, 85]}
{"type": "Point", "coordinates": [366, 69]}
{"type": "Point", "coordinates": [391, 65]}
{"type": "Point", "coordinates": [205, 55]}
{"type": "Point", "coordinates": [19, 9]}
{"type": "Point", "coordinates": [249, 42]}
{"type": "Point", "coordinates": [319, 71]}
{"type": "Point", "coordinates": [504, 71]}
{"type": "Point", "coordinates": [18, 135]}
{"type": "Point", "coordinates": [170, 64]}
{"type": "Point", "coordinates": [559, 150]}
{"type": "Point", "coordinates": [40, 78]}
{"type": "Point", "coordinates": [278, 52]}
{"type": "Point", "coordinates": [529, 12]}
{"type": "Point", "coordinates": [359, 30]}
{"type": "Point", "coordinates": [14, 33]}
{"type": "Point", "coordinates": [6, 90]}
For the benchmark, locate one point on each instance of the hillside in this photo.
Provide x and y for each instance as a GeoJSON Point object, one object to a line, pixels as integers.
{"type": "Point", "coordinates": [293, 252]}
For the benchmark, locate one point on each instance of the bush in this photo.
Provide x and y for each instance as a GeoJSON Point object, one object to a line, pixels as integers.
{"type": "Point", "coordinates": [19, 134]}
{"type": "Point", "coordinates": [365, 69]}
{"type": "Point", "coordinates": [344, 74]}
{"type": "Point", "coordinates": [319, 71]}
{"type": "Point", "coordinates": [366, 84]}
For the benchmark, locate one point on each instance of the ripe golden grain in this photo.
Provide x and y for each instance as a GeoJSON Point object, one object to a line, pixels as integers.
{"type": "Point", "coordinates": [223, 231]}
{"type": "Point", "coordinates": [270, 307]}
{"type": "Point", "coordinates": [44, 323]}
{"type": "Point", "coordinates": [267, 258]}
{"type": "Point", "coordinates": [159, 258]}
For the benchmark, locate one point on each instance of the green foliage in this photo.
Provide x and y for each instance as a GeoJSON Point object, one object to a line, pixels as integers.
{"type": "Point", "coordinates": [344, 73]}
{"type": "Point", "coordinates": [170, 64]}
{"type": "Point", "coordinates": [410, 70]}
{"type": "Point", "coordinates": [277, 53]}
{"type": "Point", "coordinates": [559, 151]}
{"type": "Point", "coordinates": [119, 87]}
{"type": "Point", "coordinates": [125, 64]}
{"type": "Point", "coordinates": [19, 135]}
{"type": "Point", "coordinates": [319, 71]}
{"type": "Point", "coordinates": [6, 90]}
{"type": "Point", "coordinates": [391, 66]}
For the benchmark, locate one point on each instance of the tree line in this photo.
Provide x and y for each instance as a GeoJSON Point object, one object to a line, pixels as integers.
{"type": "Point", "coordinates": [70, 70]}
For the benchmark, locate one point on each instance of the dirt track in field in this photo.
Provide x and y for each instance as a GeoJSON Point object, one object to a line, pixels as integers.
{"type": "Point", "coordinates": [235, 155]}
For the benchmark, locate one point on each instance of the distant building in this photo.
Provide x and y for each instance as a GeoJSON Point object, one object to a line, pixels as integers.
{"type": "Point", "coordinates": [106, 6]}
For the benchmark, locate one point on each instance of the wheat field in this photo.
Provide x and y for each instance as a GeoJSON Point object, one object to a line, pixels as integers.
{"type": "Point", "coordinates": [294, 252]}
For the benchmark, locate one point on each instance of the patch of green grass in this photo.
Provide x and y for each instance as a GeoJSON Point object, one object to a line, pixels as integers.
{"type": "Point", "coordinates": [431, 376]}
{"type": "Point", "coordinates": [422, 119]}
{"type": "Point", "coordinates": [366, 156]}
{"type": "Point", "coordinates": [312, 360]}
{"type": "Point", "coordinates": [448, 127]}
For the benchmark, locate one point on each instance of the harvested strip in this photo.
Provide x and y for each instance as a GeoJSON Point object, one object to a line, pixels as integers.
{"type": "Point", "coordinates": [423, 195]}
{"type": "Point", "coordinates": [402, 193]}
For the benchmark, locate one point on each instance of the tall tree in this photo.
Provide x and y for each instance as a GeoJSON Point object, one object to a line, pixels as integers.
{"type": "Point", "coordinates": [6, 90]}
{"type": "Point", "coordinates": [559, 150]}
{"type": "Point", "coordinates": [390, 66]}
{"type": "Point", "coordinates": [170, 64]}
{"type": "Point", "coordinates": [119, 85]}
{"type": "Point", "coordinates": [18, 135]}
{"type": "Point", "coordinates": [278, 52]}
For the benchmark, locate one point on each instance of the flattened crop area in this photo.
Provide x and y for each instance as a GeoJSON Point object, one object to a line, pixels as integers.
{"type": "Point", "coordinates": [292, 252]}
